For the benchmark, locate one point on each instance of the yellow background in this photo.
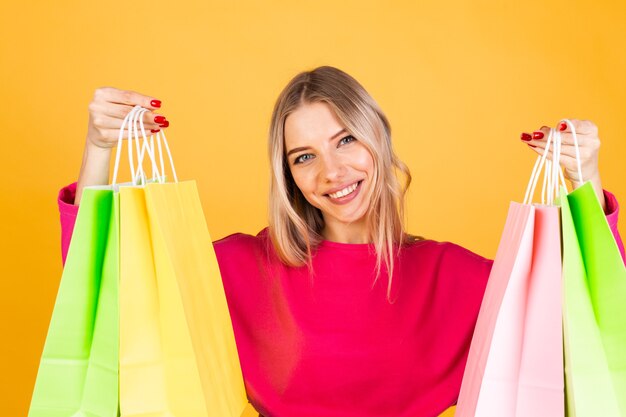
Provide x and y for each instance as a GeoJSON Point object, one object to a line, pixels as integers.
{"type": "Point", "coordinates": [459, 81]}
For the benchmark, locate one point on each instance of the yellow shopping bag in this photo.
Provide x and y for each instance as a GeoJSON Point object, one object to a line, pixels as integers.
{"type": "Point", "coordinates": [158, 375]}
{"type": "Point", "coordinates": [184, 254]}
{"type": "Point", "coordinates": [177, 349]}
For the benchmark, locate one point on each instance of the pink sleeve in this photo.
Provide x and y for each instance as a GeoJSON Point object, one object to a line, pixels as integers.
{"type": "Point", "coordinates": [612, 212]}
{"type": "Point", "coordinates": [68, 212]}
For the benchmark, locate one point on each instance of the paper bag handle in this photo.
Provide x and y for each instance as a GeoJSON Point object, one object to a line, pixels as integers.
{"type": "Point", "coordinates": [553, 174]}
{"type": "Point", "coordinates": [131, 121]}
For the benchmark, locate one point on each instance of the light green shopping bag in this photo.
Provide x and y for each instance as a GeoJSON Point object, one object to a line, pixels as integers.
{"type": "Point", "coordinates": [78, 373]}
{"type": "Point", "coordinates": [594, 316]}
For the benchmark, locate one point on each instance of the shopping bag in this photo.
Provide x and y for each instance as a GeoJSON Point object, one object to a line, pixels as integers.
{"type": "Point", "coordinates": [515, 362]}
{"type": "Point", "coordinates": [78, 373]}
{"type": "Point", "coordinates": [512, 263]}
{"type": "Point", "coordinates": [177, 351]}
{"type": "Point", "coordinates": [540, 390]}
{"type": "Point", "coordinates": [158, 373]}
{"type": "Point", "coordinates": [184, 253]}
{"type": "Point", "coordinates": [594, 309]}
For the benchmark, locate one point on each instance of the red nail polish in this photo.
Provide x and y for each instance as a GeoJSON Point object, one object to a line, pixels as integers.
{"type": "Point", "coordinates": [159, 119]}
{"type": "Point", "coordinates": [164, 124]}
{"type": "Point", "coordinates": [562, 126]}
{"type": "Point", "coordinates": [155, 103]}
{"type": "Point", "coordinates": [155, 130]}
{"type": "Point", "coordinates": [526, 137]}
{"type": "Point", "coordinates": [537, 135]}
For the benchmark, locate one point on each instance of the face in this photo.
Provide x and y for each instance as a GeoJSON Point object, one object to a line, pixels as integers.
{"type": "Point", "coordinates": [332, 169]}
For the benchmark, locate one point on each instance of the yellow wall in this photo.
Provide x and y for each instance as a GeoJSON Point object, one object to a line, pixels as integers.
{"type": "Point", "coordinates": [459, 81]}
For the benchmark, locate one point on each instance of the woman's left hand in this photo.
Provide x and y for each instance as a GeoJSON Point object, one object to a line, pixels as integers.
{"type": "Point", "coordinates": [588, 145]}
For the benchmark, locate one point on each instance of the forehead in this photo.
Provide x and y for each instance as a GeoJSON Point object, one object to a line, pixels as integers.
{"type": "Point", "coordinates": [310, 122]}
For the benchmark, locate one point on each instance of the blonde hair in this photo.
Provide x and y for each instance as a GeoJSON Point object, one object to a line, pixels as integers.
{"type": "Point", "coordinates": [294, 224]}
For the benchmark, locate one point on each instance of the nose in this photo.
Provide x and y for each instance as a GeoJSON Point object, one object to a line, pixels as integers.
{"type": "Point", "coordinates": [332, 168]}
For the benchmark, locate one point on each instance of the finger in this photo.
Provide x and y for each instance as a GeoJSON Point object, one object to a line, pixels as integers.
{"type": "Point", "coordinates": [101, 121]}
{"type": "Point", "coordinates": [568, 154]}
{"type": "Point", "coordinates": [583, 127]}
{"type": "Point", "coordinates": [128, 97]}
{"type": "Point", "coordinates": [115, 110]}
{"type": "Point", "coordinates": [538, 143]}
{"type": "Point", "coordinates": [566, 161]}
{"type": "Point", "coordinates": [570, 150]}
{"type": "Point", "coordinates": [112, 135]}
{"type": "Point", "coordinates": [119, 112]}
{"type": "Point", "coordinates": [583, 140]}
{"type": "Point", "coordinates": [541, 133]}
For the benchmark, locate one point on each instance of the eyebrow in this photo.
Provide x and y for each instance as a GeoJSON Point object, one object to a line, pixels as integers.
{"type": "Point", "coordinates": [304, 148]}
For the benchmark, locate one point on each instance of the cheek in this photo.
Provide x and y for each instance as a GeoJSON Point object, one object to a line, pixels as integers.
{"type": "Point", "coordinates": [364, 161]}
{"type": "Point", "coordinates": [306, 181]}
{"type": "Point", "coordinates": [303, 182]}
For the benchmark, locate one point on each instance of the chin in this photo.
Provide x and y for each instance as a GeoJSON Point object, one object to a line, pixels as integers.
{"type": "Point", "coordinates": [351, 218]}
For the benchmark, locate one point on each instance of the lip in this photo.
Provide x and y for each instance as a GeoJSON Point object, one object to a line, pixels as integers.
{"type": "Point", "coordinates": [334, 190]}
{"type": "Point", "coordinates": [347, 198]}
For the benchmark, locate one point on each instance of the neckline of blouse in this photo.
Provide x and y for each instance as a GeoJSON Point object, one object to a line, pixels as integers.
{"type": "Point", "coordinates": [348, 246]}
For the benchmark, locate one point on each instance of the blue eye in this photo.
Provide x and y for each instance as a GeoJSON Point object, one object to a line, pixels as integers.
{"type": "Point", "coordinates": [302, 158]}
{"type": "Point", "coordinates": [343, 140]}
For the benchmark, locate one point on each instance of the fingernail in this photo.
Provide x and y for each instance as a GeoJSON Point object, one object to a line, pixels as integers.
{"type": "Point", "coordinates": [164, 124]}
{"type": "Point", "coordinates": [526, 137]}
{"type": "Point", "coordinates": [532, 146]}
{"type": "Point", "coordinates": [562, 126]}
{"type": "Point", "coordinates": [159, 119]}
{"type": "Point", "coordinates": [537, 135]}
{"type": "Point", "coordinates": [155, 103]}
{"type": "Point", "coordinates": [155, 130]}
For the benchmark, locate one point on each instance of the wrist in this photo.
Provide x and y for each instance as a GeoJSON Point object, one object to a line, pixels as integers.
{"type": "Point", "coordinates": [92, 149]}
{"type": "Point", "coordinates": [94, 169]}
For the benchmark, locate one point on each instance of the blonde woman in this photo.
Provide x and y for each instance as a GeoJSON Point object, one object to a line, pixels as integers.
{"type": "Point", "coordinates": [322, 327]}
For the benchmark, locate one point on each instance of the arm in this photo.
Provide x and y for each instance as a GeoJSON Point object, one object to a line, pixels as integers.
{"type": "Point", "coordinates": [107, 111]}
{"type": "Point", "coordinates": [586, 158]}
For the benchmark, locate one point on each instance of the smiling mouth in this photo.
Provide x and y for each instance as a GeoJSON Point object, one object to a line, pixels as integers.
{"type": "Point", "coordinates": [345, 192]}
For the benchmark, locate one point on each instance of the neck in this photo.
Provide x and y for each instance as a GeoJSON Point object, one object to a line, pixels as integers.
{"type": "Point", "coordinates": [355, 232]}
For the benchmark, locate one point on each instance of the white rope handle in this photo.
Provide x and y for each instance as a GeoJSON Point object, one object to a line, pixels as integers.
{"type": "Point", "coordinates": [145, 148]}
{"type": "Point", "coordinates": [139, 178]}
{"type": "Point", "coordinates": [553, 174]}
{"type": "Point", "coordinates": [120, 139]}
{"type": "Point", "coordinates": [534, 177]}
{"type": "Point", "coordinates": [557, 179]}
{"type": "Point", "coordinates": [130, 122]}
{"type": "Point", "coordinates": [148, 146]}
{"type": "Point", "coordinates": [169, 154]}
{"type": "Point", "coordinates": [576, 148]}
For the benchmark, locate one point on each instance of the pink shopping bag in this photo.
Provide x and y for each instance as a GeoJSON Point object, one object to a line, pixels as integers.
{"type": "Point", "coordinates": [515, 362]}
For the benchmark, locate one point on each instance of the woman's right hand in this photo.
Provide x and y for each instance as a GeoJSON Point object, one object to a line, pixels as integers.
{"type": "Point", "coordinates": [107, 111]}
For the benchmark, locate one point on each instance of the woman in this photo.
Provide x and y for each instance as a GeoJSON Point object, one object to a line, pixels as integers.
{"type": "Point", "coordinates": [318, 332]}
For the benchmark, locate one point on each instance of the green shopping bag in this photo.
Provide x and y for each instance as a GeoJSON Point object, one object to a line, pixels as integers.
{"type": "Point", "coordinates": [78, 372]}
{"type": "Point", "coordinates": [594, 316]}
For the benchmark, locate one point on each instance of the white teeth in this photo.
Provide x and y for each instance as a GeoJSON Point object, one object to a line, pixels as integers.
{"type": "Point", "coordinates": [349, 189]}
